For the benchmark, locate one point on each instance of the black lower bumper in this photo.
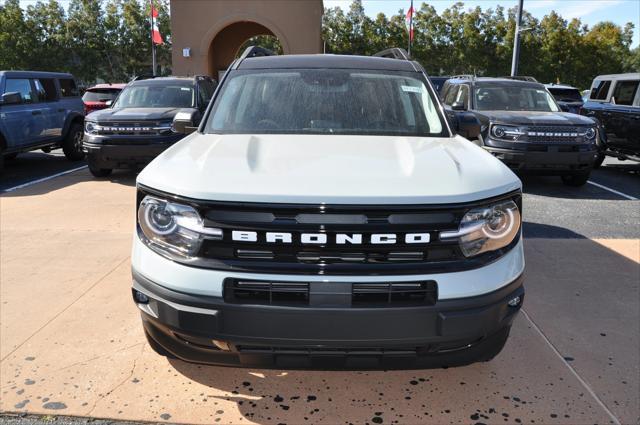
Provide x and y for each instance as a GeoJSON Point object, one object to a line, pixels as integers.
{"type": "Point", "coordinates": [126, 153]}
{"type": "Point", "coordinates": [449, 333]}
{"type": "Point", "coordinates": [553, 160]}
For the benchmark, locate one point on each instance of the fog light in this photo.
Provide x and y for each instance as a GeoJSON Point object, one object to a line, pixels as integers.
{"type": "Point", "coordinates": [223, 345]}
{"type": "Point", "coordinates": [514, 302]}
{"type": "Point", "coordinates": [139, 297]}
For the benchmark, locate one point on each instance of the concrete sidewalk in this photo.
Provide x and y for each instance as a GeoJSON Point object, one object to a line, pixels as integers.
{"type": "Point", "coordinates": [71, 341]}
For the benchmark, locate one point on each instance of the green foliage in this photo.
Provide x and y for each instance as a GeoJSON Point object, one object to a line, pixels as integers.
{"type": "Point", "coordinates": [95, 39]}
{"type": "Point", "coordinates": [472, 40]}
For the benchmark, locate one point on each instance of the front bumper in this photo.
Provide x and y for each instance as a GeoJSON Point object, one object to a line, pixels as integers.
{"type": "Point", "coordinates": [454, 331]}
{"type": "Point", "coordinates": [126, 152]}
{"type": "Point", "coordinates": [544, 159]}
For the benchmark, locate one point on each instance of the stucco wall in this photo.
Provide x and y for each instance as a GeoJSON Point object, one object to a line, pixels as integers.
{"type": "Point", "coordinates": [195, 24]}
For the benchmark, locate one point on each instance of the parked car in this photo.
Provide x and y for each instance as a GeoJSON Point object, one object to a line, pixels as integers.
{"type": "Point", "coordinates": [140, 123]}
{"type": "Point", "coordinates": [40, 110]}
{"type": "Point", "coordinates": [615, 103]}
{"type": "Point", "coordinates": [524, 127]}
{"type": "Point", "coordinates": [100, 96]}
{"type": "Point", "coordinates": [438, 81]}
{"type": "Point", "coordinates": [312, 221]}
{"type": "Point", "coordinates": [568, 98]}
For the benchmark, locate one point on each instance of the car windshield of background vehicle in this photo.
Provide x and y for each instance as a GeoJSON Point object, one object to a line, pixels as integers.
{"type": "Point", "coordinates": [566, 95]}
{"type": "Point", "coordinates": [100, 95]}
{"type": "Point", "coordinates": [326, 101]}
{"type": "Point", "coordinates": [156, 96]}
{"type": "Point", "coordinates": [514, 98]}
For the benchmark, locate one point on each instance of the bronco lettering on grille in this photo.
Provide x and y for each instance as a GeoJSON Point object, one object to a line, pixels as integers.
{"type": "Point", "coordinates": [338, 238]}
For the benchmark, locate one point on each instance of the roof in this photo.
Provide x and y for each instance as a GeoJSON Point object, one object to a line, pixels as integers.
{"type": "Point", "coordinates": [327, 61]}
{"type": "Point", "coordinates": [559, 86]}
{"type": "Point", "coordinates": [499, 81]}
{"type": "Point", "coordinates": [163, 80]}
{"type": "Point", "coordinates": [628, 76]}
{"type": "Point", "coordinates": [108, 86]}
{"type": "Point", "coordinates": [31, 74]}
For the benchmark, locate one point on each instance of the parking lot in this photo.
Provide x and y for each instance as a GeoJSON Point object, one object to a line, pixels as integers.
{"type": "Point", "coordinates": [72, 343]}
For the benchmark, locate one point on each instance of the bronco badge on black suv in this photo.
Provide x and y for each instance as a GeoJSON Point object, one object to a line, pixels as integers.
{"type": "Point", "coordinates": [148, 116]}
{"type": "Point", "coordinates": [523, 126]}
{"type": "Point", "coordinates": [325, 215]}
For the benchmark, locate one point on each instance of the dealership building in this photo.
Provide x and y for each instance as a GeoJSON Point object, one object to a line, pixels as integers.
{"type": "Point", "coordinates": [206, 35]}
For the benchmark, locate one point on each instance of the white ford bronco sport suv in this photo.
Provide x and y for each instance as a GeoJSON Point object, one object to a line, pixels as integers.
{"type": "Point", "coordinates": [325, 215]}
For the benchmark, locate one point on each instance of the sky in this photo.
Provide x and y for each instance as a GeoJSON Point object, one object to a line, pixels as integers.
{"type": "Point", "coordinates": [589, 11]}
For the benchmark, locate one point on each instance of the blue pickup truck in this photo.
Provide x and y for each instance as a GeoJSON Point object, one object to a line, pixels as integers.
{"type": "Point", "coordinates": [40, 110]}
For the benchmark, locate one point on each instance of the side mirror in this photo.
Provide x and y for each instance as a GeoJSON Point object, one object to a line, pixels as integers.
{"type": "Point", "coordinates": [109, 103]}
{"type": "Point", "coordinates": [458, 106]}
{"type": "Point", "coordinates": [468, 125]}
{"type": "Point", "coordinates": [11, 98]}
{"type": "Point", "coordinates": [185, 121]}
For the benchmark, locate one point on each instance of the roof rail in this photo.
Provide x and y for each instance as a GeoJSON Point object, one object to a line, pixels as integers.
{"type": "Point", "coordinates": [521, 78]}
{"type": "Point", "coordinates": [394, 53]}
{"type": "Point", "coordinates": [143, 77]}
{"type": "Point", "coordinates": [463, 77]}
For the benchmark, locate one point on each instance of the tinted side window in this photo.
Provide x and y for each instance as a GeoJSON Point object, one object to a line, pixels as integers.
{"type": "Point", "coordinates": [600, 90]}
{"type": "Point", "coordinates": [22, 86]}
{"type": "Point", "coordinates": [68, 87]}
{"type": "Point", "coordinates": [625, 91]}
{"type": "Point", "coordinates": [205, 92]}
{"type": "Point", "coordinates": [46, 88]}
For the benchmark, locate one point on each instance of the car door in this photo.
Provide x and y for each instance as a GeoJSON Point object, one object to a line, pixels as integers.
{"type": "Point", "coordinates": [48, 94]}
{"type": "Point", "coordinates": [22, 121]}
{"type": "Point", "coordinates": [622, 115]}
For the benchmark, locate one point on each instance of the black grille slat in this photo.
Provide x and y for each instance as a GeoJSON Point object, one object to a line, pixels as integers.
{"type": "Point", "coordinates": [394, 294]}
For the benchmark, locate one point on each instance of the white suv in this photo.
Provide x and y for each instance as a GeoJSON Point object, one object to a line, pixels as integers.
{"type": "Point", "coordinates": [325, 215]}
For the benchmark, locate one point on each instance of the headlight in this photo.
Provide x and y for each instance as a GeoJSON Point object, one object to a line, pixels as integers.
{"type": "Point", "coordinates": [507, 132]}
{"type": "Point", "coordinates": [486, 229]}
{"type": "Point", "coordinates": [91, 127]}
{"type": "Point", "coordinates": [174, 229]}
{"type": "Point", "coordinates": [590, 134]}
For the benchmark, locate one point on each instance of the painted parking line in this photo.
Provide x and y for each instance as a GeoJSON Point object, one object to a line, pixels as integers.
{"type": "Point", "coordinates": [601, 186]}
{"type": "Point", "coordinates": [43, 179]}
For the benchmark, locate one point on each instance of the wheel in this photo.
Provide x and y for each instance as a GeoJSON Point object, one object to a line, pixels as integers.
{"type": "Point", "coordinates": [96, 170]}
{"type": "Point", "coordinates": [159, 349]}
{"type": "Point", "coordinates": [576, 179]}
{"type": "Point", "coordinates": [72, 144]}
{"type": "Point", "coordinates": [599, 160]}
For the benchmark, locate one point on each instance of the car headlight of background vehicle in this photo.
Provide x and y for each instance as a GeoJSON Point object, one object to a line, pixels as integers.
{"type": "Point", "coordinates": [91, 127]}
{"type": "Point", "coordinates": [590, 134]}
{"type": "Point", "coordinates": [172, 228]}
{"type": "Point", "coordinates": [507, 132]}
{"type": "Point", "coordinates": [486, 229]}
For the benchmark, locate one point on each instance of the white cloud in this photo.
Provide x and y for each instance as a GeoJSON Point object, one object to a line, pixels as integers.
{"type": "Point", "coordinates": [580, 9]}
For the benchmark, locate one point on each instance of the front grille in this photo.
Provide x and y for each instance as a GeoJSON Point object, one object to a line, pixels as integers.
{"type": "Point", "coordinates": [349, 248]}
{"type": "Point", "coordinates": [550, 134]}
{"type": "Point", "coordinates": [334, 294]}
{"type": "Point", "coordinates": [138, 128]}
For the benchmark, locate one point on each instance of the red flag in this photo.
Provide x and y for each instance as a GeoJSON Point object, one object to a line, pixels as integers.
{"type": "Point", "coordinates": [410, 21]}
{"type": "Point", "coordinates": [157, 38]}
{"type": "Point", "coordinates": [154, 11]}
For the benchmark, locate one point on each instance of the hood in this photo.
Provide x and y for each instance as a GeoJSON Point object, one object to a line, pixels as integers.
{"type": "Point", "coordinates": [133, 114]}
{"type": "Point", "coordinates": [332, 169]}
{"type": "Point", "coordinates": [536, 118]}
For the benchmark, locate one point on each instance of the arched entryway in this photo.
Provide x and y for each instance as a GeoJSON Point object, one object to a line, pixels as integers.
{"type": "Point", "coordinates": [226, 44]}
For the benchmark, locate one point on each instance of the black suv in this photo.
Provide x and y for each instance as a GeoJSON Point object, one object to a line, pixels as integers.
{"type": "Point", "coordinates": [148, 116]}
{"type": "Point", "coordinates": [522, 125]}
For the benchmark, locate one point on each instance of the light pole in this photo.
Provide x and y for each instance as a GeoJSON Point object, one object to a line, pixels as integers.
{"type": "Point", "coordinates": [516, 41]}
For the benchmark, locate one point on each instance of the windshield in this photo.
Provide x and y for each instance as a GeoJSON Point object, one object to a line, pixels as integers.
{"type": "Point", "coordinates": [326, 101]}
{"type": "Point", "coordinates": [514, 98]}
{"type": "Point", "coordinates": [100, 95]}
{"type": "Point", "coordinates": [166, 95]}
{"type": "Point", "coordinates": [566, 95]}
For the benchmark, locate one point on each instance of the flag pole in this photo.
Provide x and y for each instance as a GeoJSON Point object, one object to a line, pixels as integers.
{"type": "Point", "coordinates": [410, 27]}
{"type": "Point", "coordinates": [153, 45]}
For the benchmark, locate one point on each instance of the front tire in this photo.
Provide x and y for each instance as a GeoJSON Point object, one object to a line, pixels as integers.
{"type": "Point", "coordinates": [96, 170]}
{"type": "Point", "coordinates": [599, 160]}
{"type": "Point", "coordinates": [72, 144]}
{"type": "Point", "coordinates": [576, 179]}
